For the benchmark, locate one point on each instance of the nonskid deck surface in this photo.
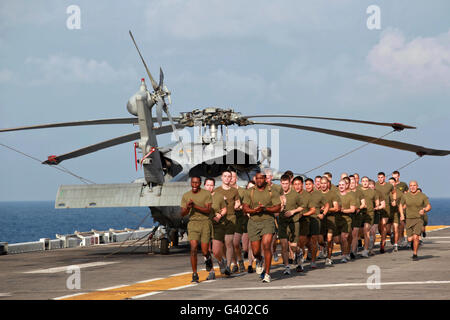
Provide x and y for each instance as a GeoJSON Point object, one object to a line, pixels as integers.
{"type": "Point", "coordinates": [94, 273]}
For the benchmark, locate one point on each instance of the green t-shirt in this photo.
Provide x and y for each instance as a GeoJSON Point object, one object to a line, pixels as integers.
{"type": "Point", "coordinates": [201, 199]}
{"type": "Point", "coordinates": [230, 195]}
{"type": "Point", "coordinates": [267, 198]}
{"type": "Point", "coordinates": [218, 203]}
{"type": "Point", "coordinates": [347, 200]}
{"type": "Point", "coordinates": [293, 201]}
{"type": "Point", "coordinates": [359, 196]}
{"type": "Point", "coordinates": [305, 203]}
{"type": "Point", "coordinates": [403, 187]}
{"type": "Point", "coordinates": [331, 196]}
{"type": "Point", "coordinates": [385, 190]}
{"type": "Point", "coordinates": [317, 201]}
{"type": "Point", "coordinates": [370, 196]}
{"type": "Point", "coordinates": [414, 203]}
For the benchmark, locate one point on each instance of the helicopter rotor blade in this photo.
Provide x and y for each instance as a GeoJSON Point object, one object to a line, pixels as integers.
{"type": "Point", "coordinates": [396, 126]}
{"type": "Point", "coordinates": [159, 111]}
{"type": "Point", "coordinates": [76, 123]}
{"type": "Point", "coordinates": [81, 123]}
{"type": "Point", "coordinates": [105, 144]}
{"type": "Point", "coordinates": [419, 150]}
{"type": "Point", "coordinates": [161, 78]}
{"type": "Point", "coordinates": [154, 84]}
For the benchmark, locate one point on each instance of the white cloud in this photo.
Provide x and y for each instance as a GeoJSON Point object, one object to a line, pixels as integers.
{"type": "Point", "coordinates": [66, 69]}
{"type": "Point", "coordinates": [419, 63]}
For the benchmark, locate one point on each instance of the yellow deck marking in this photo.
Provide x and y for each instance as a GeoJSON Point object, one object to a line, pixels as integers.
{"type": "Point", "coordinates": [160, 285]}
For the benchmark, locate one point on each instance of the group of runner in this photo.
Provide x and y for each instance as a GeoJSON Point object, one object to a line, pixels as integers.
{"type": "Point", "coordinates": [244, 223]}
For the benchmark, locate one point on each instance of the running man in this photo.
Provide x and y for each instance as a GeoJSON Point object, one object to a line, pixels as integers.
{"type": "Point", "coordinates": [241, 225]}
{"type": "Point", "coordinates": [385, 214]}
{"type": "Point", "coordinates": [218, 212]}
{"type": "Point", "coordinates": [330, 226]}
{"type": "Point", "coordinates": [197, 204]}
{"type": "Point", "coordinates": [372, 203]}
{"type": "Point", "coordinates": [318, 201]}
{"type": "Point", "coordinates": [287, 229]}
{"type": "Point", "coordinates": [344, 220]}
{"type": "Point", "coordinates": [377, 217]}
{"type": "Point", "coordinates": [416, 205]}
{"type": "Point", "coordinates": [261, 204]}
{"type": "Point", "coordinates": [231, 196]}
{"type": "Point", "coordinates": [356, 217]}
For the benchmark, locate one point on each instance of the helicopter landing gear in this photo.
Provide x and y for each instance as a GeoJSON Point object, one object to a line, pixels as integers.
{"type": "Point", "coordinates": [164, 246]}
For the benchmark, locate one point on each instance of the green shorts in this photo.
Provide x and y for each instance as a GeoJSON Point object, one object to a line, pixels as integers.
{"type": "Point", "coordinates": [376, 218]}
{"type": "Point", "coordinates": [241, 222]}
{"type": "Point", "coordinates": [396, 218]}
{"type": "Point", "coordinates": [303, 226]}
{"type": "Point", "coordinates": [414, 226]}
{"type": "Point", "coordinates": [356, 220]}
{"type": "Point", "coordinates": [219, 231]}
{"type": "Point", "coordinates": [231, 225]}
{"type": "Point", "coordinates": [331, 224]}
{"type": "Point", "coordinates": [323, 227]}
{"type": "Point", "coordinates": [343, 224]}
{"type": "Point", "coordinates": [199, 230]}
{"type": "Point", "coordinates": [288, 229]}
{"type": "Point", "coordinates": [314, 226]}
{"type": "Point", "coordinates": [368, 217]}
{"type": "Point", "coordinates": [256, 229]}
{"type": "Point", "coordinates": [425, 219]}
{"type": "Point", "coordinates": [384, 214]}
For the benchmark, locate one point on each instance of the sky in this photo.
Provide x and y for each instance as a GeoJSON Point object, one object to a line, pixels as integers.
{"type": "Point", "coordinates": [318, 58]}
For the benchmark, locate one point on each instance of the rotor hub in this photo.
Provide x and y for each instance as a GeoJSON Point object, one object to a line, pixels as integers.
{"type": "Point", "coordinates": [212, 116]}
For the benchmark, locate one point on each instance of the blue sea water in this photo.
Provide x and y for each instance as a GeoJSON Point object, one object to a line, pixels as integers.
{"type": "Point", "coordinates": [30, 221]}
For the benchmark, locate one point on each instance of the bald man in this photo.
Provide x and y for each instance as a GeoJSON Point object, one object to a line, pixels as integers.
{"type": "Point", "coordinates": [416, 204]}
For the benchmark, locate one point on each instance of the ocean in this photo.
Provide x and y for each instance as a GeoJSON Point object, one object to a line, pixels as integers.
{"type": "Point", "coordinates": [30, 221]}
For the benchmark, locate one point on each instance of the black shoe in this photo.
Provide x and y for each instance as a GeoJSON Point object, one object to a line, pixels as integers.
{"type": "Point", "coordinates": [352, 256]}
{"type": "Point", "coordinates": [381, 250]}
{"type": "Point", "coordinates": [391, 236]}
{"type": "Point", "coordinates": [208, 264]}
{"type": "Point", "coordinates": [360, 243]}
{"type": "Point", "coordinates": [291, 261]}
{"type": "Point", "coordinates": [227, 271]}
{"type": "Point", "coordinates": [415, 257]}
{"type": "Point", "coordinates": [424, 234]}
{"type": "Point", "coordinates": [250, 269]}
{"type": "Point", "coordinates": [299, 268]}
{"type": "Point", "coordinates": [194, 278]}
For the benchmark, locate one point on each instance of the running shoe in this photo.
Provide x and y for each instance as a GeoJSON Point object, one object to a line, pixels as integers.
{"type": "Point", "coordinates": [352, 256]}
{"type": "Point", "coordinates": [287, 270]}
{"type": "Point", "coordinates": [395, 248]}
{"type": "Point", "coordinates": [371, 253]}
{"type": "Point", "coordinates": [235, 269]}
{"type": "Point", "coordinates": [415, 257]}
{"type": "Point", "coordinates": [382, 249]}
{"type": "Point", "coordinates": [299, 268]}
{"type": "Point", "coordinates": [208, 264]}
{"type": "Point", "coordinates": [266, 278]}
{"type": "Point", "coordinates": [322, 255]}
{"type": "Point", "coordinates": [195, 278]}
{"type": "Point", "coordinates": [227, 271]}
{"type": "Point", "coordinates": [328, 262]}
{"type": "Point", "coordinates": [259, 266]}
{"type": "Point", "coordinates": [344, 260]}
{"type": "Point", "coordinates": [313, 265]}
{"type": "Point", "coordinates": [365, 253]}
{"type": "Point", "coordinates": [211, 275]}
{"type": "Point", "coordinates": [275, 257]}
{"type": "Point", "coordinates": [241, 266]}
{"type": "Point", "coordinates": [222, 266]}
{"type": "Point", "coordinates": [250, 269]}
{"type": "Point", "coordinates": [262, 275]}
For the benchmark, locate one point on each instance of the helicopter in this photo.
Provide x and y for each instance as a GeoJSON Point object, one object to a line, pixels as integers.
{"type": "Point", "coordinates": [167, 169]}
